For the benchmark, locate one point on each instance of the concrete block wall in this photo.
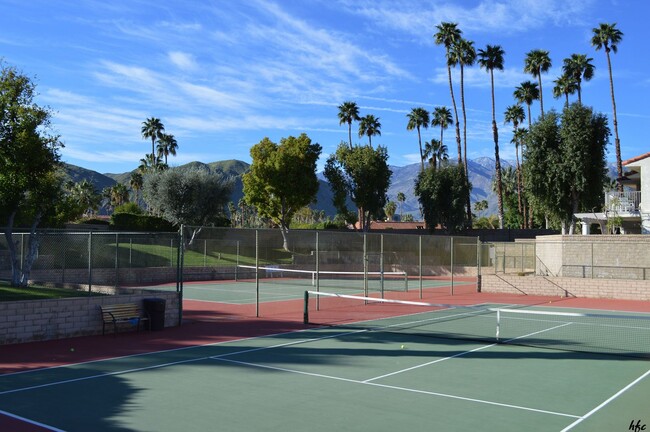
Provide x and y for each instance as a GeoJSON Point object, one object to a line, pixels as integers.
{"type": "Point", "coordinates": [567, 286]}
{"type": "Point", "coordinates": [34, 320]}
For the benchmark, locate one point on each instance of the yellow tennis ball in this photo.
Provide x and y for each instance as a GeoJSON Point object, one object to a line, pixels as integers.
{"type": "Point", "coordinates": [403, 346]}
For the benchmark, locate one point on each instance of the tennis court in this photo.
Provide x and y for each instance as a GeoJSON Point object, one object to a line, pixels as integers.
{"type": "Point", "coordinates": [280, 284]}
{"type": "Point", "coordinates": [365, 366]}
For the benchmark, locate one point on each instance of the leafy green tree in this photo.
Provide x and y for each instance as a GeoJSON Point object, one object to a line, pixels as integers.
{"type": "Point", "coordinates": [167, 145]}
{"type": "Point", "coordinates": [153, 129]}
{"type": "Point", "coordinates": [418, 119]}
{"type": "Point", "coordinates": [565, 85]}
{"type": "Point", "coordinates": [512, 216]}
{"type": "Point", "coordinates": [135, 183]}
{"type": "Point", "coordinates": [85, 196]}
{"type": "Point", "coordinates": [442, 193]}
{"type": "Point", "coordinates": [282, 179]}
{"type": "Point", "coordinates": [30, 185]}
{"type": "Point", "coordinates": [363, 175]}
{"type": "Point", "coordinates": [441, 117]}
{"type": "Point", "coordinates": [369, 125]}
{"type": "Point", "coordinates": [117, 194]}
{"type": "Point", "coordinates": [447, 35]}
{"type": "Point", "coordinates": [491, 58]}
{"type": "Point", "coordinates": [185, 196]}
{"type": "Point", "coordinates": [566, 170]}
{"type": "Point", "coordinates": [607, 36]}
{"type": "Point", "coordinates": [579, 67]}
{"type": "Point", "coordinates": [480, 206]}
{"type": "Point", "coordinates": [526, 93]}
{"type": "Point", "coordinates": [348, 112]}
{"type": "Point", "coordinates": [536, 62]}
{"type": "Point", "coordinates": [436, 152]}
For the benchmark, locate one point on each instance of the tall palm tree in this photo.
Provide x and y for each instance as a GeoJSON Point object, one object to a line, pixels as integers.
{"type": "Point", "coordinates": [564, 86]}
{"type": "Point", "coordinates": [448, 34]}
{"type": "Point", "coordinates": [518, 140]}
{"type": "Point", "coordinates": [527, 92]}
{"type": "Point", "coordinates": [608, 36]}
{"type": "Point", "coordinates": [579, 67]}
{"type": "Point", "coordinates": [515, 114]}
{"type": "Point", "coordinates": [400, 200]}
{"type": "Point", "coordinates": [491, 58]}
{"type": "Point", "coordinates": [463, 54]}
{"type": "Point", "coordinates": [418, 118]}
{"type": "Point", "coordinates": [538, 61]}
{"type": "Point", "coordinates": [369, 125]}
{"type": "Point", "coordinates": [167, 145]}
{"type": "Point", "coordinates": [348, 112]}
{"type": "Point", "coordinates": [441, 117]}
{"type": "Point", "coordinates": [152, 128]}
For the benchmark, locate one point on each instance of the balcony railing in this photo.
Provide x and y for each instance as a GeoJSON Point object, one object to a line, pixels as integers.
{"type": "Point", "coordinates": [623, 202]}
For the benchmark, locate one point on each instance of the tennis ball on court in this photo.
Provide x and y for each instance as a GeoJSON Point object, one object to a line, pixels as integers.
{"type": "Point", "coordinates": [71, 349]}
{"type": "Point", "coordinates": [403, 346]}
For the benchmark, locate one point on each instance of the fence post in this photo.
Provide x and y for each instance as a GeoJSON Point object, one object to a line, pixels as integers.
{"type": "Point", "coordinates": [420, 262]}
{"type": "Point", "coordinates": [452, 266]}
{"type": "Point", "coordinates": [381, 264]}
{"type": "Point", "coordinates": [90, 261]}
{"type": "Point", "coordinates": [592, 259]}
{"type": "Point", "coordinates": [257, 274]}
{"type": "Point", "coordinates": [317, 273]}
{"type": "Point", "coordinates": [117, 260]}
{"type": "Point", "coordinates": [478, 264]}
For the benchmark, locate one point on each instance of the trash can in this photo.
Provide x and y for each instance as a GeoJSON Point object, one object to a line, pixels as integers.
{"type": "Point", "coordinates": [155, 309]}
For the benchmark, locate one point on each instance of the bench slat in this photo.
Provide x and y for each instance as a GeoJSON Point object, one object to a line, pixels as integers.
{"type": "Point", "coordinates": [121, 314]}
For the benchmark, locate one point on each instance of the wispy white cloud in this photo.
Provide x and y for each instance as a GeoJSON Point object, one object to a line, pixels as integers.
{"type": "Point", "coordinates": [182, 60]}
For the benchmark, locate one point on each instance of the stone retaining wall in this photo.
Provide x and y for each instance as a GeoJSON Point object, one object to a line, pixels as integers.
{"type": "Point", "coordinates": [567, 286]}
{"type": "Point", "coordinates": [35, 320]}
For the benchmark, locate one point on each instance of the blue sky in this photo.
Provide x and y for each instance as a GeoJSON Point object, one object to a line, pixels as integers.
{"type": "Point", "coordinates": [223, 74]}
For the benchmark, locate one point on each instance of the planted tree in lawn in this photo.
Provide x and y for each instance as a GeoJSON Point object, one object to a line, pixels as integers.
{"type": "Point", "coordinates": [182, 196]}
{"type": "Point", "coordinates": [30, 184]}
{"type": "Point", "coordinates": [282, 179]}
{"type": "Point", "coordinates": [362, 174]}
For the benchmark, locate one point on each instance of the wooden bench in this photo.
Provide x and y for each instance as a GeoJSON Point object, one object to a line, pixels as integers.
{"type": "Point", "coordinates": [119, 314]}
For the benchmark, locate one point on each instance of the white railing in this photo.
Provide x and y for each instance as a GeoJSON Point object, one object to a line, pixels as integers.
{"type": "Point", "coordinates": [623, 202]}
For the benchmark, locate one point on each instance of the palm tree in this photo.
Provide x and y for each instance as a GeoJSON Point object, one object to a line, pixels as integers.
{"type": "Point", "coordinates": [369, 125]}
{"type": "Point", "coordinates": [400, 199]}
{"type": "Point", "coordinates": [152, 128]}
{"type": "Point", "coordinates": [491, 58]}
{"type": "Point", "coordinates": [448, 34]}
{"type": "Point", "coordinates": [538, 61]}
{"type": "Point", "coordinates": [515, 114]}
{"type": "Point", "coordinates": [167, 145]}
{"type": "Point", "coordinates": [608, 36]}
{"type": "Point", "coordinates": [527, 92]}
{"type": "Point", "coordinates": [136, 182]}
{"type": "Point", "coordinates": [564, 86]}
{"type": "Point", "coordinates": [441, 116]}
{"type": "Point", "coordinates": [418, 118]}
{"type": "Point", "coordinates": [436, 152]}
{"type": "Point", "coordinates": [579, 67]}
{"type": "Point", "coordinates": [348, 112]}
{"type": "Point", "coordinates": [463, 54]}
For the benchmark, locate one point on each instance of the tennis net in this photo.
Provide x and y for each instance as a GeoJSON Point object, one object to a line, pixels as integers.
{"type": "Point", "coordinates": [624, 334]}
{"type": "Point", "coordinates": [361, 281]}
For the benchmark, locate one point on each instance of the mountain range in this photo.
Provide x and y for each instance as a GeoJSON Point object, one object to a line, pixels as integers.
{"type": "Point", "coordinates": [403, 180]}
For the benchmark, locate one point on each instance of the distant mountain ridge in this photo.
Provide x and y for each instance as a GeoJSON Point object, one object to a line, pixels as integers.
{"type": "Point", "coordinates": [481, 171]}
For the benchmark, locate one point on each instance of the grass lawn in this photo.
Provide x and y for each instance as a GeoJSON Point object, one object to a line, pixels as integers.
{"type": "Point", "coordinates": [8, 293]}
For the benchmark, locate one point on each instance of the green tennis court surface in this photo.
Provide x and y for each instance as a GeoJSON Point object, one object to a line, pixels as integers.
{"type": "Point", "coordinates": [282, 288]}
{"type": "Point", "coordinates": [367, 376]}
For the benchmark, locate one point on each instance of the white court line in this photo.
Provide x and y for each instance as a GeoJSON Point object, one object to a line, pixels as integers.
{"type": "Point", "coordinates": [460, 354]}
{"type": "Point", "coordinates": [445, 395]}
{"type": "Point", "coordinates": [157, 366]}
{"type": "Point", "coordinates": [32, 422]}
{"type": "Point", "coordinates": [602, 405]}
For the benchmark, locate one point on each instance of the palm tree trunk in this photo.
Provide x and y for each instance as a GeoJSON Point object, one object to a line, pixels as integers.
{"type": "Point", "coordinates": [530, 121]}
{"type": "Point", "coordinates": [153, 151]}
{"type": "Point", "coordinates": [497, 162]}
{"type": "Point", "coordinates": [350, 133]}
{"type": "Point", "coordinates": [421, 153]}
{"type": "Point", "coordinates": [541, 93]}
{"type": "Point", "coordinates": [617, 141]}
{"type": "Point", "coordinates": [453, 102]}
{"type": "Point", "coordinates": [462, 104]}
{"type": "Point", "coordinates": [579, 93]}
{"type": "Point", "coordinates": [519, 183]}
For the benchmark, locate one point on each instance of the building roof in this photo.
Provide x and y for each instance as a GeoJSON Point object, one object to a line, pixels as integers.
{"type": "Point", "coordinates": [636, 158]}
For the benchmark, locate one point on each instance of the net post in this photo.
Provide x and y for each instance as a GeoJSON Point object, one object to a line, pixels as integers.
{"type": "Point", "coordinates": [305, 312]}
{"type": "Point", "coordinates": [257, 274]}
{"type": "Point", "coordinates": [498, 325]}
